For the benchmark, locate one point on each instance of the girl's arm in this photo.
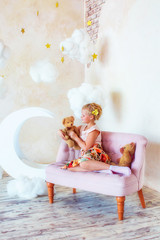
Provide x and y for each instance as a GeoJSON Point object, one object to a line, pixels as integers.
{"type": "Point", "coordinates": [79, 127]}
{"type": "Point", "coordinates": [90, 141]}
{"type": "Point", "coordinates": [61, 134]}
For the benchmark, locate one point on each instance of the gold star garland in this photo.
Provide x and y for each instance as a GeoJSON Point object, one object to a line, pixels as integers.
{"type": "Point", "coordinates": [22, 30]}
{"type": "Point", "coordinates": [62, 58]}
{"type": "Point", "coordinates": [48, 45]}
{"type": "Point", "coordinates": [94, 56]}
{"type": "Point", "coordinates": [89, 23]}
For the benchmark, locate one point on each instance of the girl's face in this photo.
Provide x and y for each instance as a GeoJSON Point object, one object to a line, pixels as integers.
{"type": "Point", "coordinates": [86, 118]}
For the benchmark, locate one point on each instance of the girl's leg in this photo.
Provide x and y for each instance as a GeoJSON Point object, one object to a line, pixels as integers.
{"type": "Point", "coordinates": [77, 169]}
{"type": "Point", "coordinates": [93, 165]}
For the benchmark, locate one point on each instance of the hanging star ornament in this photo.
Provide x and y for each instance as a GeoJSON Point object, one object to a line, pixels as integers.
{"type": "Point", "coordinates": [57, 4]}
{"type": "Point", "coordinates": [37, 13]}
{"type": "Point", "coordinates": [89, 23]}
{"type": "Point", "coordinates": [22, 30]}
{"type": "Point", "coordinates": [62, 48]}
{"type": "Point", "coordinates": [62, 59]}
{"type": "Point", "coordinates": [48, 45]}
{"type": "Point", "coordinates": [94, 56]}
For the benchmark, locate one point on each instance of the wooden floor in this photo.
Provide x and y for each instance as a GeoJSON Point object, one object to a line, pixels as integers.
{"type": "Point", "coordinates": [79, 216]}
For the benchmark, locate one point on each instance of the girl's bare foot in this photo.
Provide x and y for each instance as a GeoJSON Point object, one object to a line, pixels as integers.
{"type": "Point", "coordinates": [64, 167]}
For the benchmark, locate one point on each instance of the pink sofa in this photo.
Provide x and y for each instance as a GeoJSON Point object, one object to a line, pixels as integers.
{"type": "Point", "coordinates": [115, 184]}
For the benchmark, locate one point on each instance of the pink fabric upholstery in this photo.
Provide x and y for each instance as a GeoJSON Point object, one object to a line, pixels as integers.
{"type": "Point", "coordinates": [115, 184]}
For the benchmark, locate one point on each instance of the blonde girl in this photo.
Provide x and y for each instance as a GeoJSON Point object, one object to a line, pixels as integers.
{"type": "Point", "coordinates": [93, 157]}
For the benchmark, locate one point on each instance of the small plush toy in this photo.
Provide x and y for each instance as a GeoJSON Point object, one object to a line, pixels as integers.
{"type": "Point", "coordinates": [68, 122]}
{"type": "Point", "coordinates": [127, 155]}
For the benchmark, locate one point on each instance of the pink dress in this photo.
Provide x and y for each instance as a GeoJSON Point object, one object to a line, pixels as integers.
{"type": "Point", "coordinates": [94, 153]}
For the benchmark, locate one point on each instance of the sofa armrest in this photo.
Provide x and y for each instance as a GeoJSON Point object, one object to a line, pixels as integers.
{"type": "Point", "coordinates": [138, 164]}
{"type": "Point", "coordinates": [63, 152]}
{"type": "Point", "coordinates": [113, 141]}
{"type": "Point", "coordinates": [66, 154]}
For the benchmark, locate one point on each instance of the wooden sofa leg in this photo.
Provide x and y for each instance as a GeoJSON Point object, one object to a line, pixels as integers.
{"type": "Point", "coordinates": [74, 190]}
{"type": "Point", "coordinates": [120, 206]}
{"type": "Point", "coordinates": [50, 191]}
{"type": "Point", "coordinates": [140, 194]}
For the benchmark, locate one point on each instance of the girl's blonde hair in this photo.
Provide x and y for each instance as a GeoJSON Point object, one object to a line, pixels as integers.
{"type": "Point", "coordinates": [93, 109]}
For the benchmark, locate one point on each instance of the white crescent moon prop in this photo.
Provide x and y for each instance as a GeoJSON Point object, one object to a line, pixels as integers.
{"type": "Point", "coordinates": [11, 158]}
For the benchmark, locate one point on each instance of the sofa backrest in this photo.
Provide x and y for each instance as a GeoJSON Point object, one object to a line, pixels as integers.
{"type": "Point", "coordinates": [111, 143]}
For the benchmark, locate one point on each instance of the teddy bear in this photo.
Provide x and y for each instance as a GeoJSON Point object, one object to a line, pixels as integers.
{"type": "Point", "coordinates": [68, 122]}
{"type": "Point", "coordinates": [127, 155]}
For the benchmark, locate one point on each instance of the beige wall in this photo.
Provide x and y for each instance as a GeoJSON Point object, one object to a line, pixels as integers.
{"type": "Point", "coordinates": [128, 69]}
{"type": "Point", "coordinates": [38, 138]}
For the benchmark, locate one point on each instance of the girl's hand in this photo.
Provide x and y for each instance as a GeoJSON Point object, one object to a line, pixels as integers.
{"type": "Point", "coordinates": [61, 134]}
{"type": "Point", "coordinates": [72, 134]}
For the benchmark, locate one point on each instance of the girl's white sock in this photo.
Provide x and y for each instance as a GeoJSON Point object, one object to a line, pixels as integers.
{"type": "Point", "coordinates": [118, 169]}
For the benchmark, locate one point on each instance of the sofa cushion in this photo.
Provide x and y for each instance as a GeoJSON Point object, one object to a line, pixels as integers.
{"type": "Point", "coordinates": [114, 185]}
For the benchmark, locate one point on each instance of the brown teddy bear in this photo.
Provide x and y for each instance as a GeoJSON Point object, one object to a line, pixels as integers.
{"type": "Point", "coordinates": [68, 122]}
{"type": "Point", "coordinates": [128, 154]}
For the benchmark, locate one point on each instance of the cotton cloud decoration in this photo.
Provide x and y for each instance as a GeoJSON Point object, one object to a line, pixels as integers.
{"type": "Point", "coordinates": [4, 54]}
{"type": "Point", "coordinates": [84, 94]}
{"type": "Point", "coordinates": [27, 188]}
{"type": "Point", "coordinates": [43, 71]}
{"type": "Point", "coordinates": [78, 47]}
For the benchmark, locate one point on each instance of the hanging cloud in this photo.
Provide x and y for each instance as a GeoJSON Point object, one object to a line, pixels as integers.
{"type": "Point", "coordinates": [27, 188]}
{"type": "Point", "coordinates": [79, 46]}
{"type": "Point", "coordinates": [4, 54]}
{"type": "Point", "coordinates": [43, 71]}
{"type": "Point", "coordinates": [84, 94]}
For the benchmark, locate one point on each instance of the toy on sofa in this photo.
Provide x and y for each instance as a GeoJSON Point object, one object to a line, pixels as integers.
{"type": "Point", "coordinates": [68, 122]}
{"type": "Point", "coordinates": [127, 155]}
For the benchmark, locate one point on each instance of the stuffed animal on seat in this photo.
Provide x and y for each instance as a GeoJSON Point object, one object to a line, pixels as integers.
{"type": "Point", "coordinates": [68, 122]}
{"type": "Point", "coordinates": [127, 155]}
